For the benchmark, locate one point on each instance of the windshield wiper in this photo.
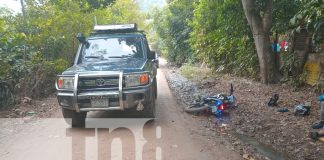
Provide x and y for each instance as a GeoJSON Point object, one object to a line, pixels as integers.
{"type": "Point", "coordinates": [123, 56]}
{"type": "Point", "coordinates": [92, 57]}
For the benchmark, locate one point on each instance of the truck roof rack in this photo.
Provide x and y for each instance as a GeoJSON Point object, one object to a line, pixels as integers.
{"type": "Point", "coordinates": [120, 28]}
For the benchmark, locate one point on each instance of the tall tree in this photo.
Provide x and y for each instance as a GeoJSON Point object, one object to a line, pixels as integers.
{"type": "Point", "coordinates": [36, 47]}
{"type": "Point", "coordinates": [221, 37]}
{"type": "Point", "coordinates": [260, 25]}
{"type": "Point", "coordinates": [309, 22]}
{"type": "Point", "coordinates": [22, 7]}
{"type": "Point", "coordinates": [100, 3]}
{"type": "Point", "coordinates": [173, 27]}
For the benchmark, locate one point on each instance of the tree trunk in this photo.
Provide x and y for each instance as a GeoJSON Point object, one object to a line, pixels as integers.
{"type": "Point", "coordinates": [268, 71]}
{"type": "Point", "coordinates": [260, 26]}
{"type": "Point", "coordinates": [301, 49]}
{"type": "Point", "coordinates": [23, 8]}
{"type": "Point", "coordinates": [277, 57]}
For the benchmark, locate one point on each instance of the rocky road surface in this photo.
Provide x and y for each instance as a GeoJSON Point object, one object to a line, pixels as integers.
{"type": "Point", "coordinates": [174, 135]}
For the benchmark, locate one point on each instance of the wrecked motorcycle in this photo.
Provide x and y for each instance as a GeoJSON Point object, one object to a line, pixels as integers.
{"type": "Point", "coordinates": [214, 104]}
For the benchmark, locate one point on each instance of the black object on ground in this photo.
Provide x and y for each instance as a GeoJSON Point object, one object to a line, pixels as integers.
{"type": "Point", "coordinates": [282, 110]}
{"type": "Point", "coordinates": [318, 125]}
{"type": "Point", "coordinates": [302, 110]}
{"type": "Point", "coordinates": [273, 100]}
{"type": "Point", "coordinates": [313, 135]}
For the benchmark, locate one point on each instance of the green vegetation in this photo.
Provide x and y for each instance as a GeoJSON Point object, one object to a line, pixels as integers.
{"type": "Point", "coordinates": [195, 72]}
{"type": "Point", "coordinates": [235, 36]}
{"type": "Point", "coordinates": [311, 14]}
{"type": "Point", "coordinates": [172, 25]}
{"type": "Point", "coordinates": [229, 36]}
{"type": "Point", "coordinates": [40, 42]}
{"type": "Point", "coordinates": [221, 37]}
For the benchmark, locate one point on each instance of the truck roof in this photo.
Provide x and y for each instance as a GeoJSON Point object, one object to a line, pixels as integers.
{"type": "Point", "coordinates": [121, 29]}
{"type": "Point", "coordinates": [118, 27]}
{"type": "Point", "coordinates": [105, 35]}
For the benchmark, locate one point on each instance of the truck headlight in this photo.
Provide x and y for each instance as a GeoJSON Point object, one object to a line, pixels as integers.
{"type": "Point", "coordinates": [65, 83]}
{"type": "Point", "coordinates": [132, 80]}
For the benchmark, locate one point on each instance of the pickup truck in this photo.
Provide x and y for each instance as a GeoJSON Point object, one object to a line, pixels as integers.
{"type": "Point", "coordinates": [114, 69]}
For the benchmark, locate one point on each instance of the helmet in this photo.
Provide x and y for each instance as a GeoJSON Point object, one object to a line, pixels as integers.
{"type": "Point", "coordinates": [302, 110]}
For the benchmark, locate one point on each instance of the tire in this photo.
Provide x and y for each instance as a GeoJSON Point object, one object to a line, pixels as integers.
{"type": "Point", "coordinates": [149, 107]}
{"type": "Point", "coordinates": [78, 118]}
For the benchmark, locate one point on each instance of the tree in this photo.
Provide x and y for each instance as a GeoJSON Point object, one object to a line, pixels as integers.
{"type": "Point", "coordinates": [172, 25]}
{"type": "Point", "coordinates": [311, 15]}
{"type": "Point", "coordinates": [260, 26]}
{"type": "Point", "coordinates": [40, 44]}
{"type": "Point", "coordinates": [222, 39]}
{"type": "Point", "coordinates": [89, 5]}
{"type": "Point", "coordinates": [100, 3]}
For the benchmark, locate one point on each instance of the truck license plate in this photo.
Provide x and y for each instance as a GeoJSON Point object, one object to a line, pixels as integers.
{"type": "Point", "coordinates": [100, 102]}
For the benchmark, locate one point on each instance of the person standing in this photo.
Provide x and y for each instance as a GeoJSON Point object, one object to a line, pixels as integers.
{"type": "Point", "coordinates": [320, 124]}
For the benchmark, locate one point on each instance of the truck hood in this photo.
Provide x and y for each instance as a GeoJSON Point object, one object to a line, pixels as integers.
{"type": "Point", "coordinates": [122, 64]}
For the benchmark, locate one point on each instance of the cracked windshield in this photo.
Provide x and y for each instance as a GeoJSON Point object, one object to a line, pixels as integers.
{"type": "Point", "coordinates": [161, 79]}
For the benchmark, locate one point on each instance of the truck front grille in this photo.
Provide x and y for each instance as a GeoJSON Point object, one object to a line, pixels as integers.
{"type": "Point", "coordinates": [98, 82]}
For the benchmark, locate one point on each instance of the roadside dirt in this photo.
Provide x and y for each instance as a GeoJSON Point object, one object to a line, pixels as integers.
{"type": "Point", "coordinates": [45, 108]}
{"type": "Point", "coordinates": [173, 135]}
{"type": "Point", "coordinates": [254, 129]}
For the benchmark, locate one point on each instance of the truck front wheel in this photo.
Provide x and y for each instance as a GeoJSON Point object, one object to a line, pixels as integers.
{"type": "Point", "coordinates": [78, 118]}
{"type": "Point", "coordinates": [149, 106]}
{"type": "Point", "coordinates": [155, 88]}
{"type": "Point", "coordinates": [149, 109]}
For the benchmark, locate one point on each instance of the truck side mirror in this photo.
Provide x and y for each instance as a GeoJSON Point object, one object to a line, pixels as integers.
{"type": "Point", "coordinates": [81, 37]}
{"type": "Point", "coordinates": [151, 55]}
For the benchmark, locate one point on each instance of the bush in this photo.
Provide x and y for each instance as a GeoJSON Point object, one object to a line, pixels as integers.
{"type": "Point", "coordinates": [191, 71]}
{"type": "Point", "coordinates": [222, 39]}
{"type": "Point", "coordinates": [40, 44]}
{"type": "Point", "coordinates": [171, 24]}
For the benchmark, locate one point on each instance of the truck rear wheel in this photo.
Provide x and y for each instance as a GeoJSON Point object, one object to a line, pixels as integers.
{"type": "Point", "coordinates": [78, 118]}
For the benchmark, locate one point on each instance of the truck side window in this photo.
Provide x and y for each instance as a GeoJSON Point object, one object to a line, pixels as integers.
{"type": "Point", "coordinates": [147, 48]}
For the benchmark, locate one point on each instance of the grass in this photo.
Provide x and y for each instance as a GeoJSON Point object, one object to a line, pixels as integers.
{"type": "Point", "coordinates": [191, 71]}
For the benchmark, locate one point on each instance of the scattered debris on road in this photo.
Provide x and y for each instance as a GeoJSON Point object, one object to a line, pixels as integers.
{"type": "Point", "coordinates": [273, 100]}
{"type": "Point", "coordinates": [27, 100]}
{"type": "Point", "coordinates": [283, 133]}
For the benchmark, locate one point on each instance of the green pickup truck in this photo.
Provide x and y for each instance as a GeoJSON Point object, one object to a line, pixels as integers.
{"type": "Point", "coordinates": [114, 69]}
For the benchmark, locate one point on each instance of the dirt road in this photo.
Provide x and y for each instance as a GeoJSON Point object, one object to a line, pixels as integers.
{"type": "Point", "coordinates": [173, 135]}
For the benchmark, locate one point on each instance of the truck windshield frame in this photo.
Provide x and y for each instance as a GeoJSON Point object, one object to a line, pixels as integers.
{"type": "Point", "coordinates": [106, 48]}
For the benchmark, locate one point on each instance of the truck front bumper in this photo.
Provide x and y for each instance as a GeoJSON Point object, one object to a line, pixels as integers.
{"type": "Point", "coordinates": [120, 99]}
